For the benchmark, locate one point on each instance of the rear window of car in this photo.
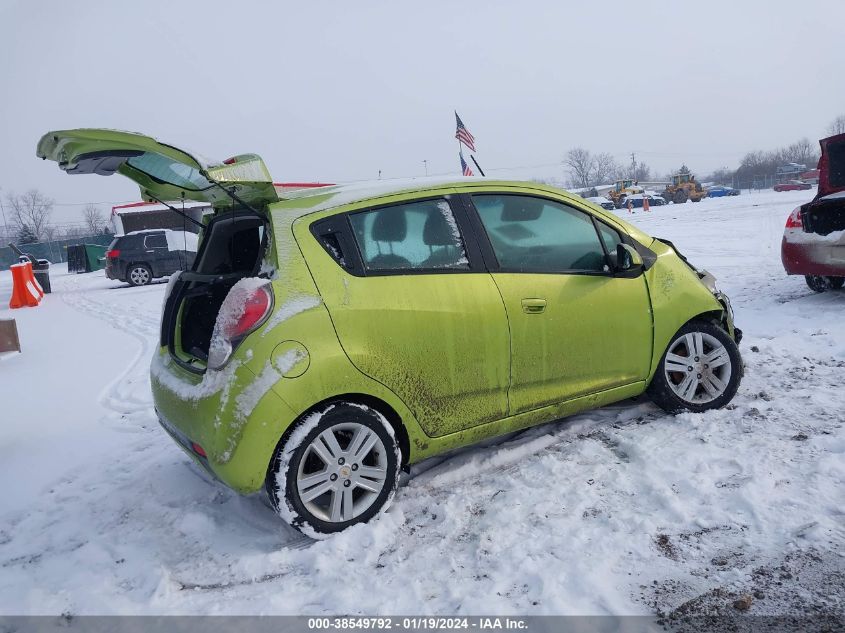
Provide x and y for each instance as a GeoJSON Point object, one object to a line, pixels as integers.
{"type": "Point", "coordinates": [156, 240]}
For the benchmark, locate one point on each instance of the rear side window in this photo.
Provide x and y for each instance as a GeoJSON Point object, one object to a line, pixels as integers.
{"type": "Point", "coordinates": [531, 234]}
{"type": "Point", "coordinates": [155, 241]}
{"type": "Point", "coordinates": [130, 241]}
{"type": "Point", "coordinates": [416, 236]}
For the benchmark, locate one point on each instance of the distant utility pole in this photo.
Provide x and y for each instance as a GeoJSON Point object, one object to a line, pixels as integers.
{"type": "Point", "coordinates": [633, 165]}
{"type": "Point", "coordinates": [425, 162]}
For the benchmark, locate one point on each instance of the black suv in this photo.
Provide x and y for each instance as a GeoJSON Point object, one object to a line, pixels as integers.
{"type": "Point", "coordinates": [140, 256]}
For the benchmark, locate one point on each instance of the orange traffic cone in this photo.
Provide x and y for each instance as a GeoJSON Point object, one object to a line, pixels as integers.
{"type": "Point", "coordinates": [24, 289]}
{"type": "Point", "coordinates": [646, 206]}
{"type": "Point", "coordinates": [630, 206]}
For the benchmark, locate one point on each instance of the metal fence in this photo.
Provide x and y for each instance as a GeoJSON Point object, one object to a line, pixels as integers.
{"type": "Point", "coordinates": [55, 251]}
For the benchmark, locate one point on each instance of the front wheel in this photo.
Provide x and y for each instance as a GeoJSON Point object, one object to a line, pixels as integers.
{"type": "Point", "coordinates": [340, 466]}
{"type": "Point", "coordinates": [818, 283]}
{"type": "Point", "coordinates": [700, 370]}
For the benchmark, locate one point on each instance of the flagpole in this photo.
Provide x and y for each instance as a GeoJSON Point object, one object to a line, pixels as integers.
{"type": "Point", "coordinates": [480, 171]}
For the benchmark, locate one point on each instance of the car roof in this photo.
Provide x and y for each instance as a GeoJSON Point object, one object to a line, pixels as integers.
{"type": "Point", "coordinates": [144, 232]}
{"type": "Point", "coordinates": [312, 200]}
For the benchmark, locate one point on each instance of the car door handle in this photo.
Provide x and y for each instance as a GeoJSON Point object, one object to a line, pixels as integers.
{"type": "Point", "coordinates": [533, 306]}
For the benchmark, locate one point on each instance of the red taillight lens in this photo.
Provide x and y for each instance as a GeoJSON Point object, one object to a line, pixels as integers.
{"type": "Point", "coordinates": [113, 253]}
{"type": "Point", "coordinates": [245, 308]}
{"type": "Point", "coordinates": [255, 309]}
{"type": "Point", "coordinates": [794, 219]}
{"type": "Point", "coordinates": [199, 450]}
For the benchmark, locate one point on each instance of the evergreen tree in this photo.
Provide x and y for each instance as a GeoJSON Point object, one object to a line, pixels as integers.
{"type": "Point", "coordinates": [26, 235]}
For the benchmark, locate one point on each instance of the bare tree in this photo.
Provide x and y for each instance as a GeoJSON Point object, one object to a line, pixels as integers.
{"type": "Point", "coordinates": [580, 164]}
{"type": "Point", "coordinates": [31, 211]}
{"type": "Point", "coordinates": [605, 169]}
{"type": "Point", "coordinates": [837, 126]}
{"type": "Point", "coordinates": [95, 222]}
{"type": "Point", "coordinates": [803, 152]}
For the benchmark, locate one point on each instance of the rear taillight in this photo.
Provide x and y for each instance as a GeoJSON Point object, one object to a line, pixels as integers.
{"type": "Point", "coordinates": [794, 219]}
{"type": "Point", "coordinates": [244, 310]}
{"type": "Point", "coordinates": [113, 253]}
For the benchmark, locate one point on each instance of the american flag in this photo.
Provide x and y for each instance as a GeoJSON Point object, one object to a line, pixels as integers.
{"type": "Point", "coordinates": [464, 167]}
{"type": "Point", "coordinates": [463, 135]}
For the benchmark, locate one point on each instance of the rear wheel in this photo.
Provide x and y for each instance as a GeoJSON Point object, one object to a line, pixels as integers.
{"type": "Point", "coordinates": [819, 283]}
{"type": "Point", "coordinates": [700, 370]}
{"type": "Point", "coordinates": [339, 467]}
{"type": "Point", "coordinates": [139, 275]}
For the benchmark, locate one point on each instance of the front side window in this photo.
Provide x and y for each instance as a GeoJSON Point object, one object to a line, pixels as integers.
{"type": "Point", "coordinates": [609, 236]}
{"type": "Point", "coordinates": [537, 235]}
{"type": "Point", "coordinates": [415, 236]}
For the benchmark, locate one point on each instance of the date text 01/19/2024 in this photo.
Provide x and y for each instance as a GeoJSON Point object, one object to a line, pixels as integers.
{"type": "Point", "coordinates": [416, 623]}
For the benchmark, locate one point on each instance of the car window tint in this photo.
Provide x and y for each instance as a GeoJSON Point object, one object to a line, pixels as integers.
{"type": "Point", "coordinates": [155, 241]}
{"type": "Point", "coordinates": [131, 241]}
{"type": "Point", "coordinates": [536, 235]}
{"type": "Point", "coordinates": [418, 235]}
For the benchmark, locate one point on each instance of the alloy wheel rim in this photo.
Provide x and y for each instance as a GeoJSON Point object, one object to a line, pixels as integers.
{"type": "Point", "coordinates": [139, 275]}
{"type": "Point", "coordinates": [698, 368]}
{"type": "Point", "coordinates": [342, 472]}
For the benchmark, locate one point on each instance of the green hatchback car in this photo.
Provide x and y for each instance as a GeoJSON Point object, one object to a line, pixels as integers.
{"type": "Point", "coordinates": [326, 338]}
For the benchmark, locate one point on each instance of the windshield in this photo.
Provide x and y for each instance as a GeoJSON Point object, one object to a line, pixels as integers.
{"type": "Point", "coordinates": [169, 171]}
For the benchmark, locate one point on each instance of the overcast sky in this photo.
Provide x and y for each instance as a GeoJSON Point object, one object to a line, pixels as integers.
{"type": "Point", "coordinates": [336, 91]}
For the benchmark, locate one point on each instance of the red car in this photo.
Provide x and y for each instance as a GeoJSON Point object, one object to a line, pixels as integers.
{"type": "Point", "coordinates": [814, 239]}
{"type": "Point", "coordinates": [793, 185]}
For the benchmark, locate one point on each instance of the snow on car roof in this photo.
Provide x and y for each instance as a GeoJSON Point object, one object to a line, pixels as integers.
{"type": "Point", "coordinates": [322, 198]}
{"type": "Point", "coordinates": [176, 240]}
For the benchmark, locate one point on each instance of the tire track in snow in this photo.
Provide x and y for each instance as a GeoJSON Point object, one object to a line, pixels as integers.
{"type": "Point", "coordinates": [129, 394]}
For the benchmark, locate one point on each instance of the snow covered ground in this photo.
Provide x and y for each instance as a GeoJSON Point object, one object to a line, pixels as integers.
{"type": "Point", "coordinates": [625, 510]}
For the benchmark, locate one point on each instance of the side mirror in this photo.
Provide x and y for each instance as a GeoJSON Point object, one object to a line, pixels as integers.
{"type": "Point", "coordinates": [627, 258]}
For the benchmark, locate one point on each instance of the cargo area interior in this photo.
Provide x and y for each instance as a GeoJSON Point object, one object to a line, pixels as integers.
{"type": "Point", "coordinates": [827, 214]}
{"type": "Point", "coordinates": [232, 249]}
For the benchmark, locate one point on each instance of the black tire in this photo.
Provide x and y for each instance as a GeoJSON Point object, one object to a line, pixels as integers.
{"type": "Point", "coordinates": [139, 275]}
{"type": "Point", "coordinates": [819, 283]}
{"type": "Point", "coordinates": [287, 465]}
{"type": "Point", "coordinates": [663, 394]}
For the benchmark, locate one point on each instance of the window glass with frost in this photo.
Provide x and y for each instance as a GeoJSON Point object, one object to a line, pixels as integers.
{"type": "Point", "coordinates": [415, 236]}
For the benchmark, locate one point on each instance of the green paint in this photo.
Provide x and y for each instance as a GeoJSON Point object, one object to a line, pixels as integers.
{"type": "Point", "coordinates": [456, 357]}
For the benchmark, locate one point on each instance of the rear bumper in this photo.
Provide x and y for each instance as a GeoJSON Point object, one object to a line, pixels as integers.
{"type": "Point", "coordinates": [229, 424]}
{"type": "Point", "coordinates": [112, 271]}
{"type": "Point", "coordinates": [186, 444]}
{"type": "Point", "coordinates": [813, 258]}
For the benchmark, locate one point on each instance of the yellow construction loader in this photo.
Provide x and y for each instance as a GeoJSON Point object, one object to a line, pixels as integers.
{"type": "Point", "coordinates": [684, 187]}
{"type": "Point", "coordinates": [623, 188]}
